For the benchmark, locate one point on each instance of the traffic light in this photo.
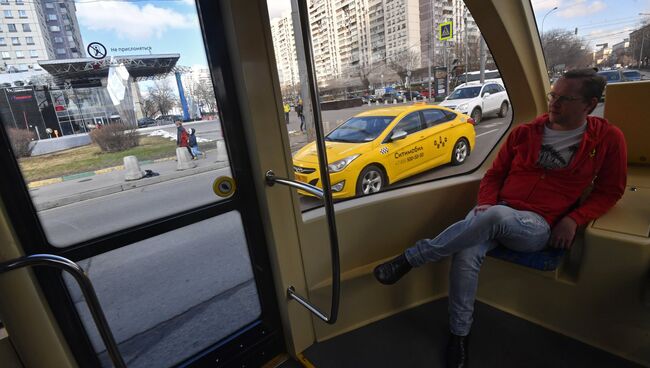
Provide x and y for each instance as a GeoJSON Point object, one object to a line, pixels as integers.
{"type": "Point", "coordinates": [576, 31]}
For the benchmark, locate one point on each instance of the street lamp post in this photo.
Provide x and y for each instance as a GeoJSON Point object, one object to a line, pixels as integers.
{"type": "Point", "coordinates": [543, 19]}
{"type": "Point", "coordinates": [642, 42]}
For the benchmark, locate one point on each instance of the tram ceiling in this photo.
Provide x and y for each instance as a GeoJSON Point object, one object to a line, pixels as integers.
{"type": "Point", "coordinates": [145, 67]}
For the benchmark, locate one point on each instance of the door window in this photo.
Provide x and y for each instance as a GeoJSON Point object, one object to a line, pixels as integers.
{"type": "Point", "coordinates": [178, 270]}
{"type": "Point", "coordinates": [434, 117]}
{"type": "Point", "coordinates": [411, 123]}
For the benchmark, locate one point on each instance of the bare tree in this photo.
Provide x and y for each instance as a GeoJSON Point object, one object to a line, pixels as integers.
{"type": "Point", "coordinates": [162, 96]}
{"type": "Point", "coordinates": [564, 47]}
{"type": "Point", "coordinates": [149, 108]}
{"type": "Point", "coordinates": [204, 95]}
{"type": "Point", "coordinates": [403, 62]}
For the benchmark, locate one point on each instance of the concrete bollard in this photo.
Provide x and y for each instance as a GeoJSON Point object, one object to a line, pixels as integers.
{"type": "Point", "coordinates": [222, 154]}
{"type": "Point", "coordinates": [394, 101]}
{"type": "Point", "coordinates": [132, 168]}
{"type": "Point", "coordinates": [385, 102]}
{"type": "Point", "coordinates": [184, 159]}
{"type": "Point", "coordinates": [414, 99]}
{"type": "Point", "coordinates": [369, 103]}
{"type": "Point", "coordinates": [377, 102]}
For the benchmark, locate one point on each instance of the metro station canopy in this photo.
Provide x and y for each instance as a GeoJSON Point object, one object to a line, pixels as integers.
{"type": "Point", "coordinates": [140, 67]}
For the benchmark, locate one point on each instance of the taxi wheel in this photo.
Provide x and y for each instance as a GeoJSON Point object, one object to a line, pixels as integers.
{"type": "Point", "coordinates": [371, 180]}
{"type": "Point", "coordinates": [460, 152]}
{"type": "Point", "coordinates": [477, 115]}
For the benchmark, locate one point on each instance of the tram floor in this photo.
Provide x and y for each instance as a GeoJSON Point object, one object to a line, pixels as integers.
{"type": "Point", "coordinates": [418, 338]}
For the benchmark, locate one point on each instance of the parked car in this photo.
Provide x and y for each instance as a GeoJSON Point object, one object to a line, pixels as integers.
{"type": "Point", "coordinates": [168, 119]}
{"type": "Point", "coordinates": [368, 98]}
{"type": "Point", "coordinates": [613, 76]}
{"type": "Point", "coordinates": [381, 146]}
{"type": "Point", "coordinates": [391, 96]}
{"type": "Point", "coordinates": [478, 100]}
{"type": "Point", "coordinates": [410, 95]}
{"type": "Point", "coordinates": [146, 121]}
{"type": "Point", "coordinates": [632, 75]}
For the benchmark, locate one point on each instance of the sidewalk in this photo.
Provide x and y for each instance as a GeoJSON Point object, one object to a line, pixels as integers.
{"type": "Point", "coordinates": [84, 186]}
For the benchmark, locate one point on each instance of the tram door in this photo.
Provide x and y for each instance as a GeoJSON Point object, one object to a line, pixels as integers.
{"type": "Point", "coordinates": [174, 245]}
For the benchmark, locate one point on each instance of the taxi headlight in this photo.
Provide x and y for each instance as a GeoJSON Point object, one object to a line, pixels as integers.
{"type": "Point", "coordinates": [341, 164]}
{"type": "Point", "coordinates": [462, 107]}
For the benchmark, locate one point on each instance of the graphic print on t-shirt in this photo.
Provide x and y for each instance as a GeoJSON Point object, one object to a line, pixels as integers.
{"type": "Point", "coordinates": [550, 158]}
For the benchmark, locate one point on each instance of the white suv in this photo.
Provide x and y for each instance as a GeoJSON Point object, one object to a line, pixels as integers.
{"type": "Point", "coordinates": [478, 100]}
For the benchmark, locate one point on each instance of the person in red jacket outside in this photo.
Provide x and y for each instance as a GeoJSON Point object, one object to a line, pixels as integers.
{"type": "Point", "coordinates": [528, 199]}
{"type": "Point", "coordinates": [182, 138]}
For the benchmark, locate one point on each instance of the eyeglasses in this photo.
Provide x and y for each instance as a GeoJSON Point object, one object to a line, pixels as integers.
{"type": "Point", "coordinates": [555, 97]}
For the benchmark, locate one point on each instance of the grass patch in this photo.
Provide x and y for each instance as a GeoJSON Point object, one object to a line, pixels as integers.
{"type": "Point", "coordinates": [91, 158]}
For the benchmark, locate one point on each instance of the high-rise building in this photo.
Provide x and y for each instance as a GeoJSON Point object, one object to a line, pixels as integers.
{"type": "Point", "coordinates": [22, 41]}
{"type": "Point", "coordinates": [38, 30]}
{"type": "Point", "coordinates": [62, 29]}
{"type": "Point", "coordinates": [284, 45]}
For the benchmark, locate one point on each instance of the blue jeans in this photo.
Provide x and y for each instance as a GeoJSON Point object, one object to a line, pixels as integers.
{"type": "Point", "coordinates": [468, 241]}
{"type": "Point", "coordinates": [195, 151]}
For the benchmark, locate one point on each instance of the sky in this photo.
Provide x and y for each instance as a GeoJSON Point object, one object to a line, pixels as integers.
{"type": "Point", "coordinates": [598, 21]}
{"type": "Point", "coordinates": [171, 26]}
{"type": "Point", "coordinates": [167, 26]}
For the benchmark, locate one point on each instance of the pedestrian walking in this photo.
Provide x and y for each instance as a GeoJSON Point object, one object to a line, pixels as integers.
{"type": "Point", "coordinates": [301, 116]}
{"type": "Point", "coordinates": [182, 138]}
{"type": "Point", "coordinates": [194, 145]}
{"type": "Point", "coordinates": [287, 109]}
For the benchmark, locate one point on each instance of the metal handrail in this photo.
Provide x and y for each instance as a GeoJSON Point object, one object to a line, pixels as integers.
{"type": "Point", "coordinates": [87, 289]}
{"type": "Point", "coordinates": [311, 189]}
{"type": "Point", "coordinates": [326, 192]}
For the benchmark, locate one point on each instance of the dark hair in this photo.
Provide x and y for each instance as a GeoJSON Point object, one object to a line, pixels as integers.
{"type": "Point", "coordinates": [592, 83]}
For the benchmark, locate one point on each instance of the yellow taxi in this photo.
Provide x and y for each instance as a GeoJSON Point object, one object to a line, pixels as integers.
{"type": "Point", "coordinates": [379, 147]}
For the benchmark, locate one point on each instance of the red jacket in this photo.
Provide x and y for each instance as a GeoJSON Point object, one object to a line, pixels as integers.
{"type": "Point", "coordinates": [516, 179]}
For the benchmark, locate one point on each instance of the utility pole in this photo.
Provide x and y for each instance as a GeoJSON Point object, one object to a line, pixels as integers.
{"type": "Point", "coordinates": [466, 45]}
{"type": "Point", "coordinates": [483, 57]}
{"type": "Point", "coordinates": [431, 33]}
{"type": "Point", "coordinates": [302, 72]}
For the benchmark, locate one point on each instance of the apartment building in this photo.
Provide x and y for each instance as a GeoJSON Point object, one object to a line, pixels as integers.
{"type": "Point", "coordinates": [62, 29]}
{"type": "Point", "coordinates": [22, 40]}
{"type": "Point", "coordinates": [285, 50]}
{"type": "Point", "coordinates": [402, 29]}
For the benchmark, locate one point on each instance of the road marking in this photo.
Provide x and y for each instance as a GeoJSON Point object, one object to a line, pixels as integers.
{"type": "Point", "coordinates": [489, 131]}
{"type": "Point", "coordinates": [492, 125]}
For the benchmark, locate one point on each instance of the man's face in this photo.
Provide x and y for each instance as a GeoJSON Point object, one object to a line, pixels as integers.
{"type": "Point", "coordinates": [567, 108]}
{"type": "Point", "coordinates": [178, 123]}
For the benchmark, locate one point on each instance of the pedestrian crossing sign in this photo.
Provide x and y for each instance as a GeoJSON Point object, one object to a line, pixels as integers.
{"type": "Point", "coordinates": [446, 31]}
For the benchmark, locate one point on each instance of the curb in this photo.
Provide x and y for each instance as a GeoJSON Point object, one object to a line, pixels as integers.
{"type": "Point", "coordinates": [41, 183]}
{"type": "Point", "coordinates": [126, 186]}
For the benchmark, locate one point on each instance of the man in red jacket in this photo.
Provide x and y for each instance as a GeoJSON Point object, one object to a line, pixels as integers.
{"type": "Point", "coordinates": [527, 199]}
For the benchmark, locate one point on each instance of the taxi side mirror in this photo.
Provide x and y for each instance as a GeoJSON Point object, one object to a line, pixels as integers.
{"type": "Point", "coordinates": [397, 135]}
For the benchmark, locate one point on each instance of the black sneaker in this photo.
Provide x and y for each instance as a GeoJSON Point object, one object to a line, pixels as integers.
{"type": "Point", "coordinates": [457, 351]}
{"type": "Point", "coordinates": [390, 272]}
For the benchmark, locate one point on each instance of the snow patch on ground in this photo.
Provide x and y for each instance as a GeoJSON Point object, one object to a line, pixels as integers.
{"type": "Point", "coordinates": [172, 136]}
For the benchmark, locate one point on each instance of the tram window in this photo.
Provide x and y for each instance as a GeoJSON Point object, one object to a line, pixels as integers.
{"type": "Point", "coordinates": [360, 70]}
{"type": "Point", "coordinates": [162, 317]}
{"type": "Point", "coordinates": [171, 261]}
{"type": "Point", "coordinates": [73, 127]}
{"type": "Point", "coordinates": [605, 35]}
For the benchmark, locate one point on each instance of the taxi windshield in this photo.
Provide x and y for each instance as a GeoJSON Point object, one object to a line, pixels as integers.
{"type": "Point", "coordinates": [360, 129]}
{"type": "Point", "coordinates": [460, 93]}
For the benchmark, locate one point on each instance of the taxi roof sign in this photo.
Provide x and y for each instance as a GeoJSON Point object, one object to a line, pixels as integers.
{"type": "Point", "coordinates": [446, 31]}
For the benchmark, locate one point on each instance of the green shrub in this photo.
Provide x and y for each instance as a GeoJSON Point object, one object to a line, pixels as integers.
{"type": "Point", "coordinates": [21, 140]}
{"type": "Point", "coordinates": [115, 137]}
